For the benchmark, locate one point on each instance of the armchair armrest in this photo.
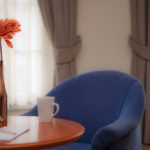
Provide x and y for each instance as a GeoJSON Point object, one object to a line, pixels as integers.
{"type": "Point", "coordinates": [130, 117]}
{"type": "Point", "coordinates": [32, 112]}
{"type": "Point", "coordinates": [112, 133]}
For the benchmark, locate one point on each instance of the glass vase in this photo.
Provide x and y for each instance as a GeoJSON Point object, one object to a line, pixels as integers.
{"type": "Point", "coordinates": [3, 94]}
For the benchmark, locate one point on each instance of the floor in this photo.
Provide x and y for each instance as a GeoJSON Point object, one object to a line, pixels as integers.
{"type": "Point", "coordinates": [16, 112]}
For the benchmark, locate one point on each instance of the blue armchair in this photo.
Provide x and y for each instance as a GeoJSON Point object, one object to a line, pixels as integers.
{"type": "Point", "coordinates": [109, 104]}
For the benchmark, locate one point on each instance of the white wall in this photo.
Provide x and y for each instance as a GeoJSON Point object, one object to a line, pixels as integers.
{"type": "Point", "coordinates": [104, 26]}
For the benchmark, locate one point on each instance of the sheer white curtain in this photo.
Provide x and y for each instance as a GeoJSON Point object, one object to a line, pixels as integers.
{"type": "Point", "coordinates": [29, 65]}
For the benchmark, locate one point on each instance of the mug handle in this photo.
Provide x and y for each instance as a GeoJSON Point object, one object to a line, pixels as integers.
{"type": "Point", "coordinates": [57, 109]}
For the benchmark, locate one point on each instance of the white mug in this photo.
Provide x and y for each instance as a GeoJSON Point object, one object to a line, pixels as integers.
{"type": "Point", "coordinates": [45, 107]}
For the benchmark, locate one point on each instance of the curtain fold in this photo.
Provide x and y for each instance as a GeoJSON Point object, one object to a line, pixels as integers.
{"type": "Point", "coordinates": [60, 21]}
{"type": "Point", "coordinates": [140, 44]}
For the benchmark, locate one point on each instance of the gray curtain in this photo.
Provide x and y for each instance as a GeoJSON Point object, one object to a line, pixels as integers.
{"type": "Point", "coordinates": [140, 44]}
{"type": "Point", "coordinates": [59, 17]}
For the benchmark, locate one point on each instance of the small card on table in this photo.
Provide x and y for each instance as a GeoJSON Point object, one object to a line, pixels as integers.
{"type": "Point", "coordinates": [8, 133]}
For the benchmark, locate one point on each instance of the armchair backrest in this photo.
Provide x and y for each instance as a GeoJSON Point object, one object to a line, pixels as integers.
{"type": "Point", "coordinates": [93, 99]}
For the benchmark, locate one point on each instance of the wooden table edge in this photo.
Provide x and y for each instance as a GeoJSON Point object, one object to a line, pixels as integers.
{"type": "Point", "coordinates": [46, 144]}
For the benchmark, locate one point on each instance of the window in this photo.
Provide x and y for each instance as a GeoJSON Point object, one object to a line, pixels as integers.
{"type": "Point", "coordinates": [29, 65]}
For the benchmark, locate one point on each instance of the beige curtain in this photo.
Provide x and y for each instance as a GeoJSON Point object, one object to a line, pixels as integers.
{"type": "Point", "coordinates": [140, 43]}
{"type": "Point", "coordinates": [25, 65]}
{"type": "Point", "coordinates": [60, 20]}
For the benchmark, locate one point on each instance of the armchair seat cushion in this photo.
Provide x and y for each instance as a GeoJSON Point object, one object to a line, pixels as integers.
{"type": "Point", "coordinates": [73, 146]}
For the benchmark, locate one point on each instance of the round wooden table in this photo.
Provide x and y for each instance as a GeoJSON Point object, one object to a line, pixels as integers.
{"type": "Point", "coordinates": [42, 135]}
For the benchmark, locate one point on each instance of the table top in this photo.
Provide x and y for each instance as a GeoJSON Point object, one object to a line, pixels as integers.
{"type": "Point", "coordinates": [43, 135]}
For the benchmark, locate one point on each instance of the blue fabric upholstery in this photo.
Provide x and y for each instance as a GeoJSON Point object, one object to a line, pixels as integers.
{"type": "Point", "coordinates": [73, 146]}
{"type": "Point", "coordinates": [110, 105]}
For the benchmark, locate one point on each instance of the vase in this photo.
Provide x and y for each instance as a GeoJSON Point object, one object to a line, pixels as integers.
{"type": "Point", "coordinates": [3, 94]}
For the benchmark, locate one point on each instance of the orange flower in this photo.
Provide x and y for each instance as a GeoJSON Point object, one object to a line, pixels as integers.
{"type": "Point", "coordinates": [8, 28]}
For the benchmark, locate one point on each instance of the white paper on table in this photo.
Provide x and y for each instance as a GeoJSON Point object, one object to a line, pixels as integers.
{"type": "Point", "coordinates": [7, 136]}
